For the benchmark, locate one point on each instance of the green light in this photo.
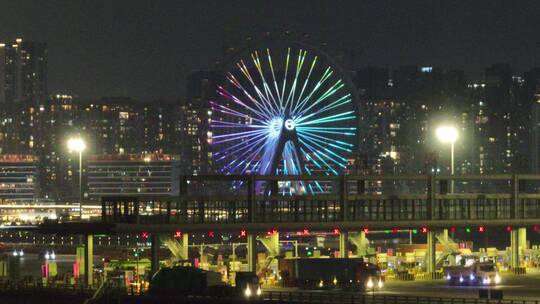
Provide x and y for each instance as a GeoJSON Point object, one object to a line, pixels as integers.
{"type": "Point", "coordinates": [468, 230]}
{"type": "Point", "coordinates": [387, 231]}
{"type": "Point", "coordinates": [309, 253]}
{"type": "Point", "coordinates": [415, 231]}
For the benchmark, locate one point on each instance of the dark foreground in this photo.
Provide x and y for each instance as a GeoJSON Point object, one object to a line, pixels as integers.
{"type": "Point", "coordinates": [59, 296]}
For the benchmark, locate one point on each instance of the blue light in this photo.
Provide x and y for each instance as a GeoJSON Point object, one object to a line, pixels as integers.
{"type": "Point", "coordinates": [299, 106]}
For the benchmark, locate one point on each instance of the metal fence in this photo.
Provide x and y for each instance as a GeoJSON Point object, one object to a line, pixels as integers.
{"type": "Point", "coordinates": [367, 298]}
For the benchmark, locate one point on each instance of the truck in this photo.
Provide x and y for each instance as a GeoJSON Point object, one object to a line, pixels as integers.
{"type": "Point", "coordinates": [331, 273]}
{"type": "Point", "coordinates": [182, 281]}
{"type": "Point", "coordinates": [476, 273]}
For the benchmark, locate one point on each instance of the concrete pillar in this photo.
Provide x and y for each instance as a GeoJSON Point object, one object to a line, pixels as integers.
{"type": "Point", "coordinates": [89, 260]}
{"type": "Point", "coordinates": [514, 249]}
{"type": "Point", "coordinates": [252, 252]}
{"type": "Point", "coordinates": [154, 253]}
{"type": "Point", "coordinates": [522, 240]}
{"type": "Point", "coordinates": [518, 246]}
{"type": "Point", "coordinates": [431, 253]}
{"type": "Point", "coordinates": [185, 246]}
{"type": "Point", "coordinates": [344, 244]}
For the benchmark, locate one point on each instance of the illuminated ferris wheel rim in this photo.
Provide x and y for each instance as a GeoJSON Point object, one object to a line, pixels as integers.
{"type": "Point", "coordinates": [310, 124]}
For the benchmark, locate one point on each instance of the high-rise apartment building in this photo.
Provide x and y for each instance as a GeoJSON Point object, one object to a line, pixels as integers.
{"type": "Point", "coordinates": [23, 72]}
{"type": "Point", "coordinates": [196, 114]}
{"type": "Point", "coordinates": [535, 135]}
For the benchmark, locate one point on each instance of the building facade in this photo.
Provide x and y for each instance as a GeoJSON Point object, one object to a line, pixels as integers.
{"type": "Point", "coordinates": [17, 178]}
{"type": "Point", "coordinates": [154, 175]}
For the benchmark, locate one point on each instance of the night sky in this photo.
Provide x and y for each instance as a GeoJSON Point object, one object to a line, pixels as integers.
{"type": "Point", "coordinates": [145, 49]}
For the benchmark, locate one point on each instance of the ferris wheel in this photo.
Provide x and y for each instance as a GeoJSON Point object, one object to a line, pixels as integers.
{"type": "Point", "coordinates": [284, 111]}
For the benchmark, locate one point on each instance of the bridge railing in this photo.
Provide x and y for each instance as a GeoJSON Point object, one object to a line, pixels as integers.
{"type": "Point", "coordinates": [372, 298]}
{"type": "Point", "coordinates": [418, 198]}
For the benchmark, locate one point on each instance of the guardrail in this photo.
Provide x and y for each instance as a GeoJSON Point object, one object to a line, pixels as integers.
{"type": "Point", "coordinates": [65, 289]}
{"type": "Point", "coordinates": [367, 298]}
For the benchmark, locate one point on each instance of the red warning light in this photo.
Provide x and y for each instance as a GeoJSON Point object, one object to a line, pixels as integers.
{"type": "Point", "coordinates": [177, 234]}
{"type": "Point", "coordinates": [272, 232]}
{"type": "Point", "coordinates": [424, 229]}
{"type": "Point", "coordinates": [453, 229]}
{"type": "Point", "coordinates": [366, 230]}
{"type": "Point", "coordinates": [211, 234]}
{"type": "Point", "coordinates": [481, 229]}
{"type": "Point", "coordinates": [243, 233]}
{"type": "Point", "coordinates": [337, 231]}
{"type": "Point", "coordinates": [395, 230]}
{"type": "Point", "coordinates": [305, 231]}
{"type": "Point", "coordinates": [508, 228]}
{"type": "Point", "coordinates": [535, 228]}
{"type": "Point", "coordinates": [145, 235]}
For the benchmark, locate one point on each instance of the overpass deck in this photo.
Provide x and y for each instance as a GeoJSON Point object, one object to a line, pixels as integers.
{"type": "Point", "coordinates": [349, 202]}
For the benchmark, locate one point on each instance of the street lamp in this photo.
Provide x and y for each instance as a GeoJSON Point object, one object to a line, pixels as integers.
{"type": "Point", "coordinates": [449, 134]}
{"type": "Point", "coordinates": [78, 145]}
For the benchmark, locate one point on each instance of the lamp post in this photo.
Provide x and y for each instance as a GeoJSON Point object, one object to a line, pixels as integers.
{"type": "Point", "coordinates": [78, 145]}
{"type": "Point", "coordinates": [449, 134]}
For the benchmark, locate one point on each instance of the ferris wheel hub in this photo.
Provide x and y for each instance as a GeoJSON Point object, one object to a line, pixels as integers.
{"type": "Point", "coordinates": [289, 124]}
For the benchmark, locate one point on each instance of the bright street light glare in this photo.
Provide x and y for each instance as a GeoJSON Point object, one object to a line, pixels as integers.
{"type": "Point", "coordinates": [447, 134]}
{"type": "Point", "coordinates": [76, 144]}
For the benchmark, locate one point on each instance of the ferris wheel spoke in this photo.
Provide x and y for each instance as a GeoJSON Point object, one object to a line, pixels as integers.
{"type": "Point", "coordinates": [260, 103]}
{"type": "Point", "coordinates": [228, 124]}
{"type": "Point", "coordinates": [238, 101]}
{"type": "Point", "coordinates": [246, 136]}
{"type": "Point", "coordinates": [243, 144]}
{"type": "Point", "coordinates": [264, 101]}
{"type": "Point", "coordinates": [299, 64]}
{"type": "Point", "coordinates": [331, 91]}
{"type": "Point", "coordinates": [243, 68]}
{"type": "Point", "coordinates": [269, 96]}
{"type": "Point", "coordinates": [326, 75]}
{"type": "Point", "coordinates": [239, 135]}
{"type": "Point", "coordinates": [320, 151]}
{"type": "Point", "coordinates": [322, 144]}
{"type": "Point", "coordinates": [318, 154]}
{"type": "Point", "coordinates": [250, 157]}
{"type": "Point", "coordinates": [332, 118]}
{"type": "Point", "coordinates": [240, 159]}
{"type": "Point", "coordinates": [226, 110]}
{"type": "Point", "coordinates": [325, 132]}
{"type": "Point", "coordinates": [306, 81]}
{"type": "Point", "coordinates": [310, 158]}
{"type": "Point", "coordinates": [327, 140]}
{"type": "Point", "coordinates": [247, 160]}
{"type": "Point", "coordinates": [280, 98]}
{"type": "Point", "coordinates": [333, 105]}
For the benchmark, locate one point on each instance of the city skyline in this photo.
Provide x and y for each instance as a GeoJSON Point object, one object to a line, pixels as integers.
{"type": "Point", "coordinates": [102, 49]}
